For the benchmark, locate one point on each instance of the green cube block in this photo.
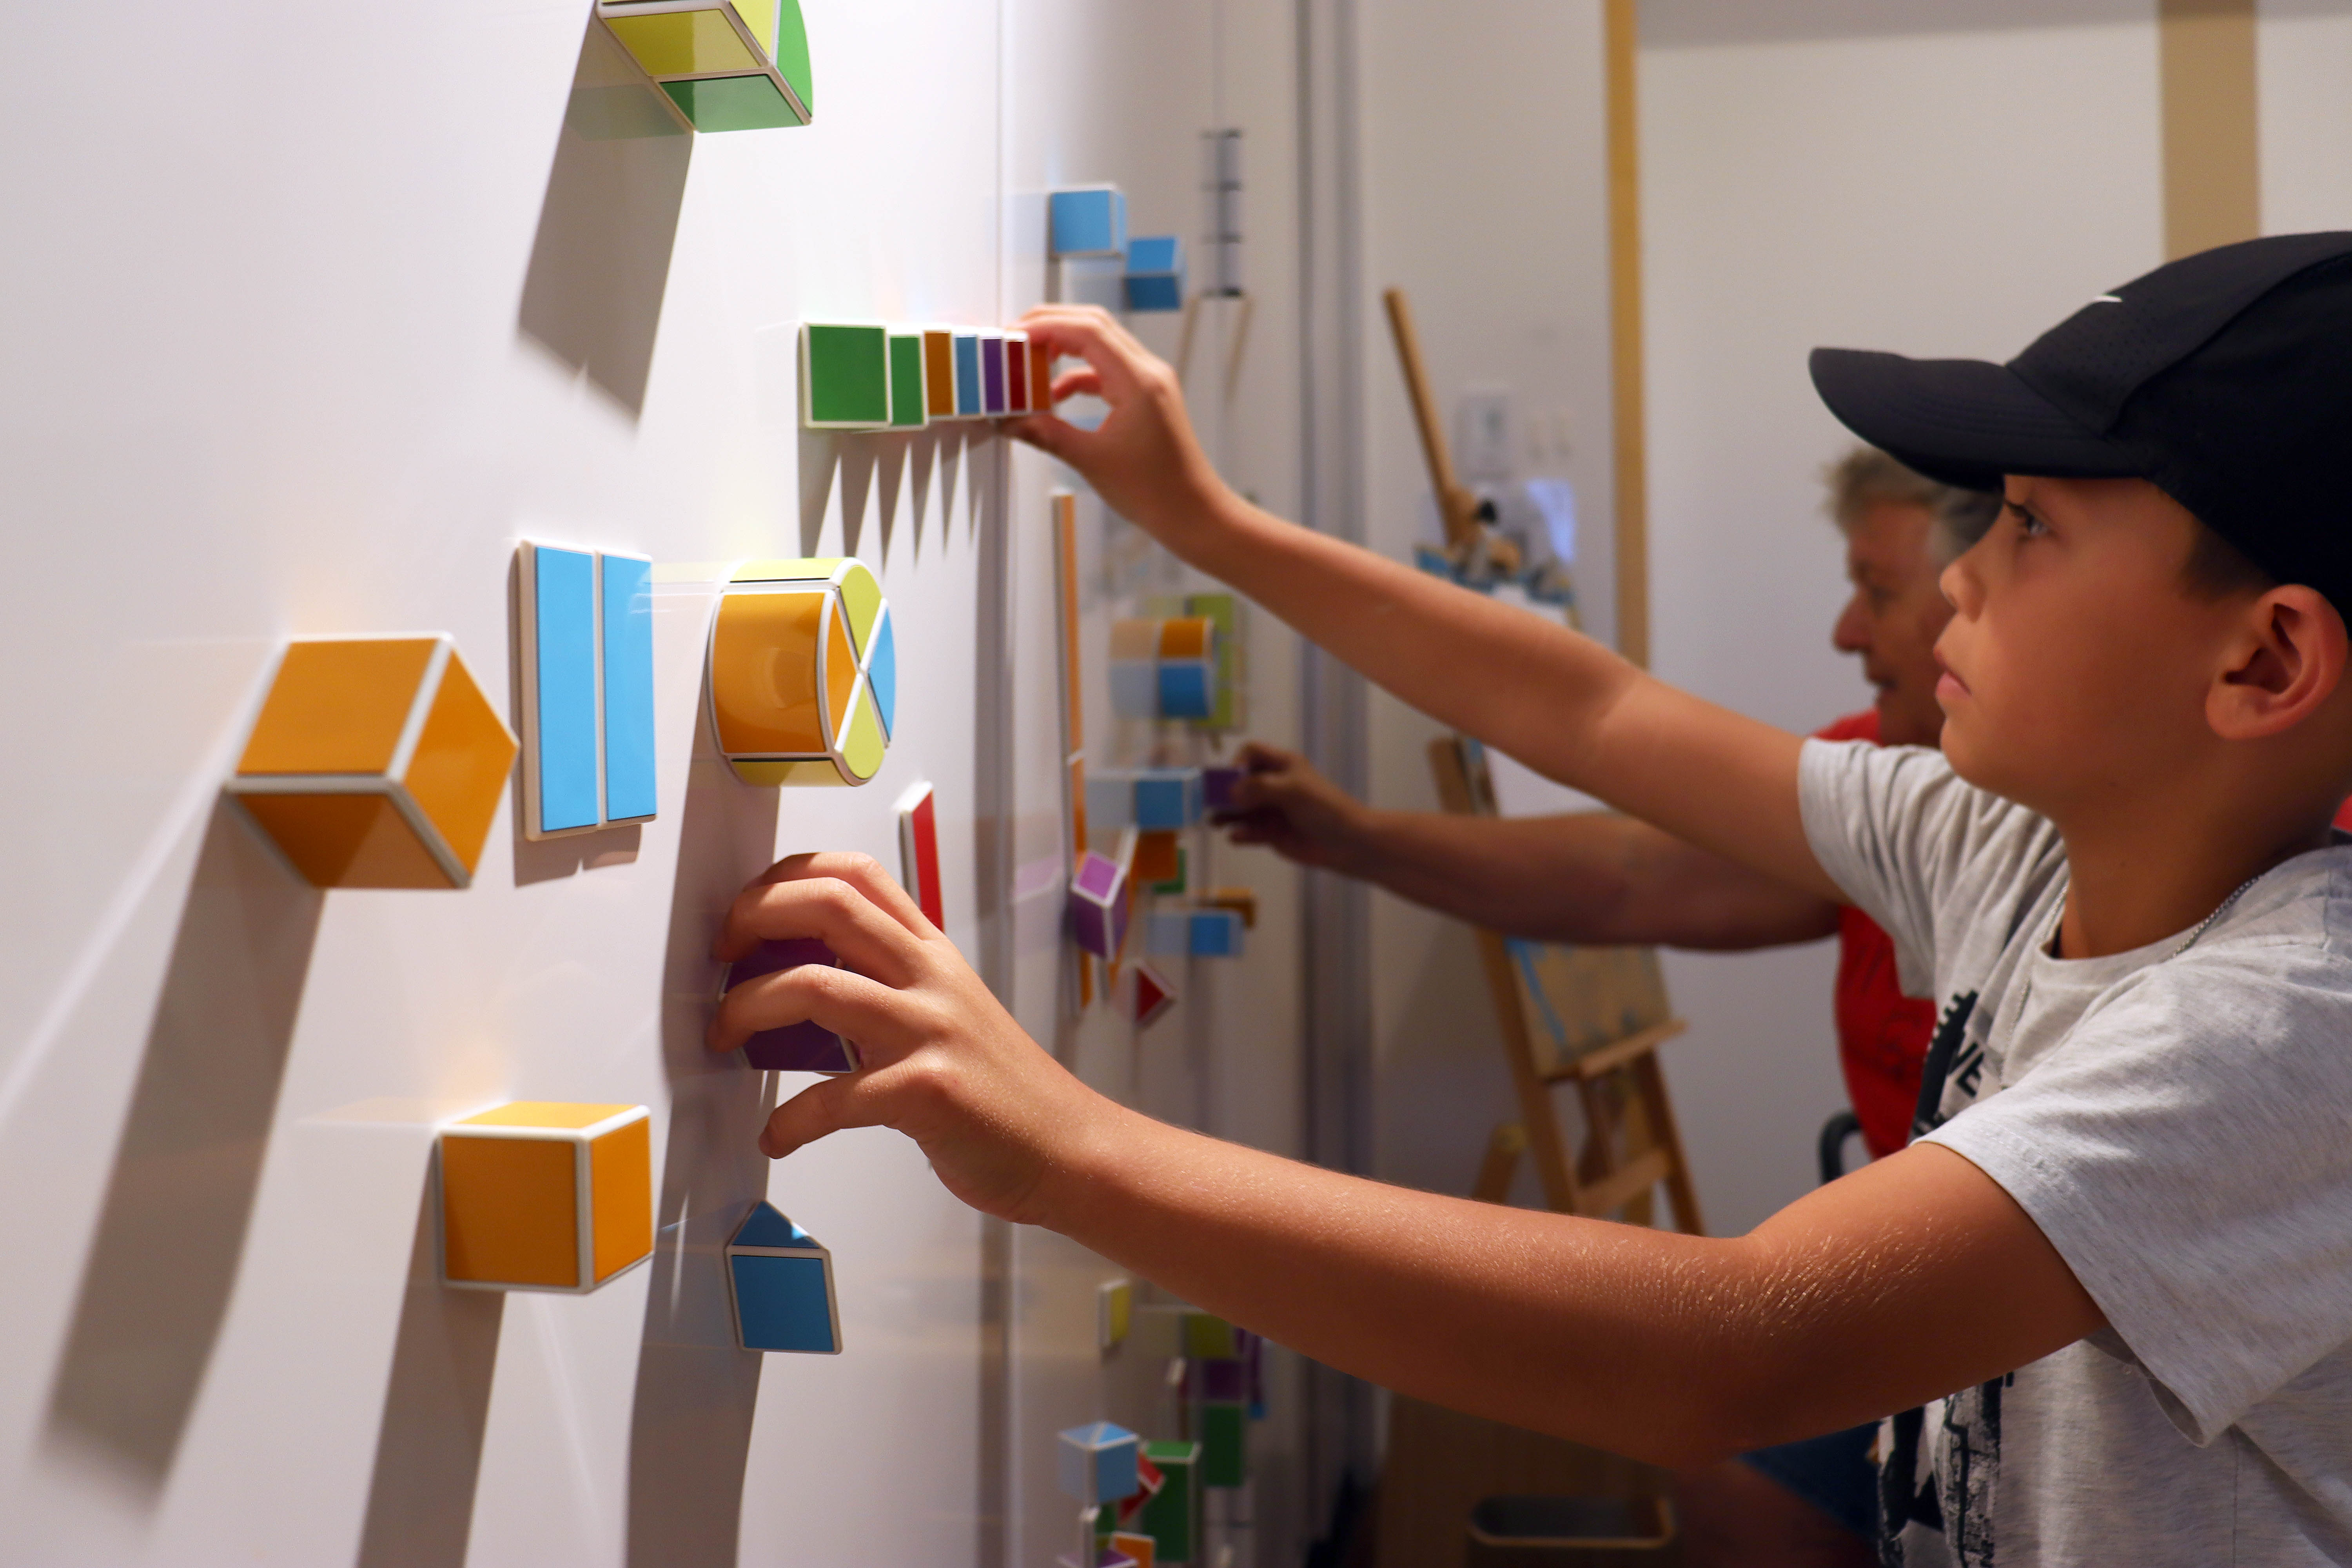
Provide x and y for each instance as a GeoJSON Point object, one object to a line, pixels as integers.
{"type": "Point", "coordinates": [1224, 1445]}
{"type": "Point", "coordinates": [844, 377]}
{"type": "Point", "coordinates": [910, 397]}
{"type": "Point", "coordinates": [1226, 613]}
{"type": "Point", "coordinates": [732, 102]}
{"type": "Point", "coordinates": [1209, 1338]}
{"type": "Point", "coordinates": [1172, 1518]}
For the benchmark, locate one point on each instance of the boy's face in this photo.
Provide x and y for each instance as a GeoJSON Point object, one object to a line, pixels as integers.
{"type": "Point", "coordinates": [2076, 663]}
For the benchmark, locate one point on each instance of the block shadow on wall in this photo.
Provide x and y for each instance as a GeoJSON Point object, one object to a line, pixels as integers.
{"type": "Point", "coordinates": [180, 1198]}
{"type": "Point", "coordinates": [592, 296]}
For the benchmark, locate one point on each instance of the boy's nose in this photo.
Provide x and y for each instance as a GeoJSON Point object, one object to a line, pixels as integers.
{"type": "Point", "coordinates": [1851, 634]}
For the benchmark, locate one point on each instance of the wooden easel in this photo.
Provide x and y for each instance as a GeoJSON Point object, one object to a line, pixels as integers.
{"type": "Point", "coordinates": [1592, 1016]}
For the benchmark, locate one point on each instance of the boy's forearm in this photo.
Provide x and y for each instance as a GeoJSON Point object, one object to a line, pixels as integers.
{"type": "Point", "coordinates": [1665, 1347]}
{"type": "Point", "coordinates": [1590, 877]}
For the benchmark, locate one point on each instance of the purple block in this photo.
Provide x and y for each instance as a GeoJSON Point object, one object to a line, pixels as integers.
{"type": "Point", "coordinates": [1226, 1382]}
{"type": "Point", "coordinates": [796, 1047]}
{"type": "Point", "coordinates": [1098, 906]}
{"type": "Point", "coordinates": [991, 372]}
{"type": "Point", "coordinates": [1217, 787]}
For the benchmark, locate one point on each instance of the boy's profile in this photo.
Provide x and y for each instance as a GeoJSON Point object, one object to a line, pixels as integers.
{"type": "Point", "coordinates": [2109, 1289]}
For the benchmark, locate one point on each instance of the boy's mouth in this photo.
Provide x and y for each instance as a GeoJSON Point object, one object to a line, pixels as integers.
{"type": "Point", "coordinates": [1948, 684]}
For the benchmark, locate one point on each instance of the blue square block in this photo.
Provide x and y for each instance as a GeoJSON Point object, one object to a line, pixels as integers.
{"type": "Point", "coordinates": [1089, 221]}
{"type": "Point", "coordinates": [1166, 798]}
{"type": "Point", "coordinates": [561, 731]}
{"type": "Point", "coordinates": [1215, 933]}
{"type": "Point", "coordinates": [1155, 273]}
{"type": "Point", "coordinates": [780, 1283]}
{"type": "Point", "coordinates": [1188, 688]}
{"type": "Point", "coordinates": [1097, 1463]}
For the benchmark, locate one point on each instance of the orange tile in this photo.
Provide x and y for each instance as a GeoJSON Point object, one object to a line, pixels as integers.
{"type": "Point", "coordinates": [763, 670]}
{"type": "Point", "coordinates": [509, 1211]}
{"type": "Point", "coordinates": [347, 840]}
{"type": "Point", "coordinates": [337, 707]}
{"type": "Point", "coordinates": [939, 373]}
{"type": "Point", "coordinates": [458, 773]}
{"type": "Point", "coordinates": [620, 1184]}
{"type": "Point", "coordinates": [1186, 636]}
{"type": "Point", "coordinates": [840, 675]}
{"type": "Point", "coordinates": [1157, 857]}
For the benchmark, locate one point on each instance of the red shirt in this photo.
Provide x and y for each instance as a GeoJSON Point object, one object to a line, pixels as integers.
{"type": "Point", "coordinates": [1882, 1033]}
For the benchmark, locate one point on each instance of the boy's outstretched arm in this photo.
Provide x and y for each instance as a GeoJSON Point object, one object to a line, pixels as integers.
{"type": "Point", "coordinates": [1912, 1278]}
{"type": "Point", "coordinates": [1556, 700]}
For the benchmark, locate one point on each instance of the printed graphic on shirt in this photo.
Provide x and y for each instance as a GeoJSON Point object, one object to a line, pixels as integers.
{"type": "Point", "coordinates": [1943, 1052]}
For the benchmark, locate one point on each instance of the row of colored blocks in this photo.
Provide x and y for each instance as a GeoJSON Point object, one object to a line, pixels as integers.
{"type": "Point", "coordinates": [1090, 221]}
{"type": "Point", "coordinates": [870, 377]}
{"type": "Point", "coordinates": [549, 1195]}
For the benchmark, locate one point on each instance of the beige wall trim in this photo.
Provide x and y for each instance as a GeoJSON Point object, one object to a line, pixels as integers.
{"type": "Point", "coordinates": [1621, 44]}
{"type": "Point", "coordinates": [2212, 178]}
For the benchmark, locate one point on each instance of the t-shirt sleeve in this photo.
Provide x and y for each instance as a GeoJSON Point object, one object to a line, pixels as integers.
{"type": "Point", "coordinates": [2185, 1150]}
{"type": "Point", "coordinates": [1906, 838]}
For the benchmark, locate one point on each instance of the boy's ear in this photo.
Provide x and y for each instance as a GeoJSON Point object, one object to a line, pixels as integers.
{"type": "Point", "coordinates": [2286, 662]}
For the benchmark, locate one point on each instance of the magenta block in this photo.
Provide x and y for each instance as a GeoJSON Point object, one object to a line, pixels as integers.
{"type": "Point", "coordinates": [796, 1047]}
{"type": "Point", "coordinates": [1217, 787]}
{"type": "Point", "coordinates": [1098, 906]}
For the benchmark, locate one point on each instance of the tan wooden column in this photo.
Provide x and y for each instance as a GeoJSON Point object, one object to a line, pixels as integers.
{"type": "Point", "coordinates": [1621, 44]}
{"type": "Point", "coordinates": [2212, 177]}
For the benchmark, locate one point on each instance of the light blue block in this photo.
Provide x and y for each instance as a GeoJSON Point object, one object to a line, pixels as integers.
{"type": "Point", "coordinates": [1097, 1463]}
{"type": "Point", "coordinates": [882, 673]}
{"type": "Point", "coordinates": [563, 731]}
{"type": "Point", "coordinates": [766, 1226]}
{"type": "Point", "coordinates": [629, 792]}
{"type": "Point", "coordinates": [1091, 221]}
{"type": "Point", "coordinates": [1167, 934]}
{"type": "Point", "coordinates": [1155, 272]}
{"type": "Point", "coordinates": [1135, 688]}
{"type": "Point", "coordinates": [969, 396]}
{"type": "Point", "coordinates": [1188, 688]}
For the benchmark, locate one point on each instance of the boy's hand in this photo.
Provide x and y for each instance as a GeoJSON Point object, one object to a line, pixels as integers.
{"type": "Point", "coordinates": [1283, 804]}
{"type": "Point", "coordinates": [1143, 459]}
{"type": "Point", "coordinates": [942, 1062]}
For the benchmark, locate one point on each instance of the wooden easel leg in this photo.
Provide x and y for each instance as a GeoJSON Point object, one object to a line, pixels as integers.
{"type": "Point", "coordinates": [1653, 1081]}
{"type": "Point", "coordinates": [1501, 1163]}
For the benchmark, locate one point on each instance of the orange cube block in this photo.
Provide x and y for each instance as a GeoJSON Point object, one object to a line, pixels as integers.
{"type": "Point", "coordinates": [544, 1195]}
{"type": "Point", "coordinates": [376, 763]}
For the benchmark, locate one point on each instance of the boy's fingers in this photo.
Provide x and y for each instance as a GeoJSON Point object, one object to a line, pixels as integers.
{"type": "Point", "coordinates": [851, 1004]}
{"type": "Point", "coordinates": [1083, 381]}
{"type": "Point", "coordinates": [816, 1112]}
{"type": "Point", "coordinates": [1090, 332]}
{"type": "Point", "coordinates": [864, 935]}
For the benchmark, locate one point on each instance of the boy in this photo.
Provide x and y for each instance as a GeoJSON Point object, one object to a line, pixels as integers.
{"type": "Point", "coordinates": [2119, 1260]}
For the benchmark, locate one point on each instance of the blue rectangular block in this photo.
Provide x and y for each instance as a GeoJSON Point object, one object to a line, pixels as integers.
{"type": "Point", "coordinates": [560, 723]}
{"type": "Point", "coordinates": [629, 792]}
{"type": "Point", "coordinates": [1166, 798]}
{"type": "Point", "coordinates": [1088, 221]}
{"type": "Point", "coordinates": [968, 398]}
{"type": "Point", "coordinates": [1215, 933]}
{"type": "Point", "coordinates": [1188, 688]}
{"type": "Point", "coordinates": [780, 1283]}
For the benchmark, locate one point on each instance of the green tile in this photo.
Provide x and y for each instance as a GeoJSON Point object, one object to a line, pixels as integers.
{"type": "Point", "coordinates": [732, 103]}
{"type": "Point", "coordinates": [846, 376]}
{"type": "Point", "coordinates": [1172, 1518]}
{"type": "Point", "coordinates": [1224, 1445]}
{"type": "Point", "coordinates": [908, 399]}
{"type": "Point", "coordinates": [791, 53]}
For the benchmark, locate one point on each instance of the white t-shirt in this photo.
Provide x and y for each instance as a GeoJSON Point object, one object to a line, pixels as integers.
{"type": "Point", "coordinates": [2177, 1120]}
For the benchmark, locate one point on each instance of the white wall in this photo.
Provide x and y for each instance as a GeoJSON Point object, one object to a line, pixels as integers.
{"type": "Point", "coordinates": [304, 330]}
{"type": "Point", "coordinates": [1928, 178]}
{"type": "Point", "coordinates": [2303, 62]}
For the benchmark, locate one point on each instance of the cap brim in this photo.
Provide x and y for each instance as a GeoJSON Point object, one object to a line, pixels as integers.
{"type": "Point", "coordinates": [1963, 422]}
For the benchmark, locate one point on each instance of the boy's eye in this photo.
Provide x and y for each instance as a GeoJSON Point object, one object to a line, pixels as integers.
{"type": "Point", "coordinates": [2027, 523]}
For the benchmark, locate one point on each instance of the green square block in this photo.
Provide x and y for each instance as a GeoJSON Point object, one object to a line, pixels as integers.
{"type": "Point", "coordinates": [1224, 1445]}
{"type": "Point", "coordinates": [845, 377]}
{"type": "Point", "coordinates": [908, 402]}
{"type": "Point", "coordinates": [790, 50]}
{"type": "Point", "coordinates": [1172, 1518]}
{"type": "Point", "coordinates": [1225, 613]}
{"type": "Point", "coordinates": [732, 103]}
{"type": "Point", "coordinates": [1209, 1338]}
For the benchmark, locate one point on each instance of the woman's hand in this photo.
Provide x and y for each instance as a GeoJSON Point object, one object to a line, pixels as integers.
{"type": "Point", "coordinates": [1143, 459]}
{"type": "Point", "coordinates": [942, 1061]}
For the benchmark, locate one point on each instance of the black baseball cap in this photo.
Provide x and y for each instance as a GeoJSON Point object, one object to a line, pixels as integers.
{"type": "Point", "coordinates": [2223, 378]}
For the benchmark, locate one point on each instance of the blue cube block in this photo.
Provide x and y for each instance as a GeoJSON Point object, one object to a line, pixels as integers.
{"type": "Point", "coordinates": [1188, 688]}
{"type": "Point", "coordinates": [1155, 273]}
{"type": "Point", "coordinates": [1215, 933]}
{"type": "Point", "coordinates": [1088, 221]}
{"type": "Point", "coordinates": [779, 1284]}
{"type": "Point", "coordinates": [1167, 799]}
{"type": "Point", "coordinates": [1097, 1463]}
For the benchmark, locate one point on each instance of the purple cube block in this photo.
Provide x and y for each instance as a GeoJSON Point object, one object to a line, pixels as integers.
{"type": "Point", "coordinates": [1227, 1382]}
{"type": "Point", "coordinates": [1098, 906]}
{"type": "Point", "coordinates": [1217, 787]}
{"type": "Point", "coordinates": [805, 1047]}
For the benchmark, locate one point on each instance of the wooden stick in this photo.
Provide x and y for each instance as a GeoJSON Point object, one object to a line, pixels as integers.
{"type": "Point", "coordinates": [1456, 505]}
